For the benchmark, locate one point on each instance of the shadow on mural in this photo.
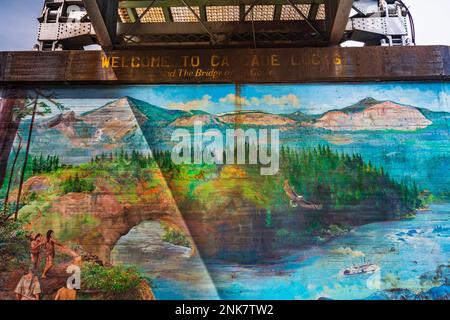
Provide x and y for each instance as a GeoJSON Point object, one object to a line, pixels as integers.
{"type": "Point", "coordinates": [357, 208]}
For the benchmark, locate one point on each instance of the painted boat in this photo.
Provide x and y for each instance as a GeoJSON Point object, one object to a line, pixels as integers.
{"type": "Point", "coordinates": [367, 268]}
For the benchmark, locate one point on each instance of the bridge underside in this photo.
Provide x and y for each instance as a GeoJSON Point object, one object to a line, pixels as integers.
{"type": "Point", "coordinates": [123, 24]}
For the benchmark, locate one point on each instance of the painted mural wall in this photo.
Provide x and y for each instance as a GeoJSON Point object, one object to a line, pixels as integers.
{"type": "Point", "coordinates": [343, 191]}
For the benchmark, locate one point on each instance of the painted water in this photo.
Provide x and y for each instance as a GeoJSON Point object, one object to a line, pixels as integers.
{"type": "Point", "coordinates": [370, 152]}
{"type": "Point", "coordinates": [404, 250]}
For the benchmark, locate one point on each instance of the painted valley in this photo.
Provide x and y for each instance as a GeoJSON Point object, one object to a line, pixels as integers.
{"type": "Point", "coordinates": [357, 208]}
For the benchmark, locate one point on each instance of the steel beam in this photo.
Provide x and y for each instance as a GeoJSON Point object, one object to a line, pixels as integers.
{"type": "Point", "coordinates": [175, 28]}
{"type": "Point", "coordinates": [337, 15]}
{"type": "Point", "coordinates": [103, 15]}
{"type": "Point", "coordinates": [414, 63]}
{"type": "Point", "coordinates": [313, 11]}
{"type": "Point", "coordinates": [300, 13]}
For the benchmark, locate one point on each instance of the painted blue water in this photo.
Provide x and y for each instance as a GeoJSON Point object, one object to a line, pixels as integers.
{"type": "Point", "coordinates": [404, 250]}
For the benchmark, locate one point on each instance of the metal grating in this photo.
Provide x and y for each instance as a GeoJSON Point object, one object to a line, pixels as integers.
{"type": "Point", "coordinates": [222, 13]}
{"type": "Point", "coordinates": [321, 13]}
{"type": "Point", "coordinates": [123, 14]}
{"type": "Point", "coordinates": [288, 12]}
{"type": "Point", "coordinates": [260, 13]}
{"type": "Point", "coordinates": [152, 15]}
{"type": "Point", "coordinates": [183, 14]}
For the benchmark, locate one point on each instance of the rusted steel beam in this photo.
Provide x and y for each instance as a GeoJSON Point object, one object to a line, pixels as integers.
{"type": "Point", "coordinates": [179, 28]}
{"type": "Point", "coordinates": [174, 66]}
{"type": "Point", "coordinates": [337, 14]}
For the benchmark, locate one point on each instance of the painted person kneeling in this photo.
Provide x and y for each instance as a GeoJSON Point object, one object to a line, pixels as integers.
{"type": "Point", "coordinates": [28, 287]}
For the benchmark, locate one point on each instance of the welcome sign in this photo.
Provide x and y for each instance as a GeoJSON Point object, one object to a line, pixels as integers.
{"type": "Point", "coordinates": [214, 66]}
{"type": "Point", "coordinates": [220, 65]}
{"type": "Point", "coordinates": [228, 65]}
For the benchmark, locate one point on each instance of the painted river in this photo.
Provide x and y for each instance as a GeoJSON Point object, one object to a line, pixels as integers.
{"type": "Point", "coordinates": [404, 250]}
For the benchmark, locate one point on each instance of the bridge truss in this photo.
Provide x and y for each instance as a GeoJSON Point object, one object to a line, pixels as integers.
{"type": "Point", "coordinates": [132, 24]}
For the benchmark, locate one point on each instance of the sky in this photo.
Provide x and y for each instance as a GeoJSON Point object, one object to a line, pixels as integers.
{"type": "Point", "coordinates": [18, 24]}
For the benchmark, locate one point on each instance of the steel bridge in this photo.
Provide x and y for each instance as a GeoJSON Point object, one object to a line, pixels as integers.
{"type": "Point", "coordinates": [135, 24]}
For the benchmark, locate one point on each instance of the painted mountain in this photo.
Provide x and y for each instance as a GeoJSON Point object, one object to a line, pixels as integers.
{"type": "Point", "coordinates": [365, 115]}
{"type": "Point", "coordinates": [256, 118]}
{"type": "Point", "coordinates": [370, 114]}
{"type": "Point", "coordinates": [76, 138]}
{"type": "Point", "coordinates": [132, 124]}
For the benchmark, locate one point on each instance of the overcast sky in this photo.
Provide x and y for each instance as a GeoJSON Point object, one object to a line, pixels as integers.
{"type": "Point", "coordinates": [18, 25]}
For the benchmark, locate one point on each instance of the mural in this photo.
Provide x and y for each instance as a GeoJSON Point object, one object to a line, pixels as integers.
{"type": "Point", "coordinates": [357, 205]}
